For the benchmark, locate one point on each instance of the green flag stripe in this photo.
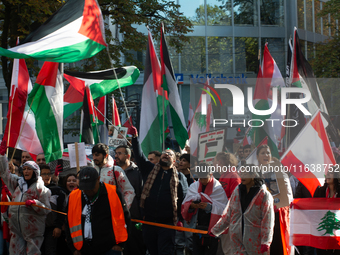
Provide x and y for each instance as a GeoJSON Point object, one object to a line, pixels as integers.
{"type": "Point", "coordinates": [181, 133]}
{"type": "Point", "coordinates": [153, 139]}
{"type": "Point", "coordinates": [72, 53]}
{"type": "Point", "coordinates": [47, 129]}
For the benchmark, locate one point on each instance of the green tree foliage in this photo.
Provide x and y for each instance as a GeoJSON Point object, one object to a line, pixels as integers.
{"type": "Point", "coordinates": [19, 18]}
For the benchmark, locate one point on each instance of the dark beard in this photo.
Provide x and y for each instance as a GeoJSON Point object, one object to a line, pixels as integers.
{"type": "Point", "coordinates": [163, 163]}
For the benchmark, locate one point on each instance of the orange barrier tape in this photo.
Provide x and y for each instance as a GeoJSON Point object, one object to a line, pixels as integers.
{"type": "Point", "coordinates": [172, 227]}
{"type": "Point", "coordinates": [133, 220]}
{"type": "Point", "coordinates": [23, 203]}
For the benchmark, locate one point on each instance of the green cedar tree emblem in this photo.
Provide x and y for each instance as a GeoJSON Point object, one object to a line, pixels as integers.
{"type": "Point", "coordinates": [200, 120]}
{"type": "Point", "coordinates": [329, 223]}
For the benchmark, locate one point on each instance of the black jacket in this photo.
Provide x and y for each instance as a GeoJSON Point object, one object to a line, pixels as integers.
{"type": "Point", "coordinates": [135, 178]}
{"type": "Point", "coordinates": [57, 202]}
{"type": "Point", "coordinates": [158, 206]}
{"type": "Point", "coordinates": [103, 238]}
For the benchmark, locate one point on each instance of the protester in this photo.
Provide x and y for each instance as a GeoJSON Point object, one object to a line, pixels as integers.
{"type": "Point", "coordinates": [162, 196]}
{"type": "Point", "coordinates": [225, 171]}
{"type": "Point", "coordinates": [183, 239]}
{"type": "Point", "coordinates": [246, 151]}
{"type": "Point", "coordinates": [95, 217]}
{"type": "Point", "coordinates": [154, 156]}
{"type": "Point", "coordinates": [25, 156]}
{"type": "Point", "coordinates": [184, 167]}
{"type": "Point", "coordinates": [264, 157]}
{"type": "Point", "coordinates": [40, 159]}
{"type": "Point", "coordinates": [111, 174]}
{"type": "Point", "coordinates": [249, 216]}
{"type": "Point", "coordinates": [206, 200]}
{"type": "Point", "coordinates": [27, 223]}
{"type": "Point", "coordinates": [240, 153]}
{"type": "Point", "coordinates": [70, 183]}
{"type": "Point", "coordinates": [54, 221]}
{"type": "Point", "coordinates": [134, 244]}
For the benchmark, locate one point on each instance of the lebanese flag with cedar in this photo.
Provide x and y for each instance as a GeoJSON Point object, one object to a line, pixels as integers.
{"type": "Point", "coordinates": [309, 151]}
{"type": "Point", "coordinates": [315, 222]}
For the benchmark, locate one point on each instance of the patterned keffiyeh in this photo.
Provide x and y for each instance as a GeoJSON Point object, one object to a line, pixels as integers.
{"type": "Point", "coordinates": [173, 188]}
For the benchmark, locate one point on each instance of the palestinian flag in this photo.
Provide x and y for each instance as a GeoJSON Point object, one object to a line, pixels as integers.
{"type": "Point", "coordinates": [115, 113]}
{"type": "Point", "coordinates": [169, 84]}
{"type": "Point", "coordinates": [101, 83]}
{"type": "Point", "coordinates": [151, 134]}
{"type": "Point", "coordinates": [20, 129]}
{"type": "Point", "coordinates": [102, 112]}
{"type": "Point", "coordinates": [269, 76]}
{"type": "Point", "coordinates": [190, 117]}
{"type": "Point", "coordinates": [73, 33]}
{"type": "Point", "coordinates": [46, 99]}
{"type": "Point", "coordinates": [315, 222]}
{"type": "Point", "coordinates": [89, 131]}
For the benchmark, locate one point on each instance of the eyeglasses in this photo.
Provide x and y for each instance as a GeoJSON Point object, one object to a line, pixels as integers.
{"type": "Point", "coordinates": [120, 153]}
{"type": "Point", "coordinates": [167, 153]}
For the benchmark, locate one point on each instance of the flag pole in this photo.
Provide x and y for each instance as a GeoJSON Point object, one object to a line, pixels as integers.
{"type": "Point", "coordinates": [113, 125]}
{"type": "Point", "coordinates": [10, 122]}
{"type": "Point", "coordinates": [163, 144]}
{"type": "Point", "coordinates": [120, 90]}
{"type": "Point", "coordinates": [81, 125]}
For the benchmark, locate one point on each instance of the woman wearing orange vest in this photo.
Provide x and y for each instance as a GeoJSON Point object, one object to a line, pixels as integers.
{"type": "Point", "coordinates": [96, 222]}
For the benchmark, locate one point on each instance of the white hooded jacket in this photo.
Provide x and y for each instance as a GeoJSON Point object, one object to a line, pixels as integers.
{"type": "Point", "coordinates": [27, 221]}
{"type": "Point", "coordinates": [106, 175]}
{"type": "Point", "coordinates": [258, 220]}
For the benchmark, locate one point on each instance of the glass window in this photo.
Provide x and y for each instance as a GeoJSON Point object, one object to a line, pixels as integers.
{"type": "Point", "coordinates": [333, 25]}
{"type": "Point", "coordinates": [317, 19]}
{"type": "Point", "coordinates": [246, 54]}
{"type": "Point", "coordinates": [245, 12]}
{"type": "Point", "coordinates": [276, 47]}
{"type": "Point", "coordinates": [301, 13]}
{"type": "Point", "coordinates": [309, 15]}
{"type": "Point", "coordinates": [219, 12]}
{"type": "Point", "coordinates": [220, 55]}
{"type": "Point", "coordinates": [272, 13]}
{"type": "Point", "coordinates": [310, 50]}
{"type": "Point", "coordinates": [193, 56]}
{"type": "Point", "coordinates": [193, 10]}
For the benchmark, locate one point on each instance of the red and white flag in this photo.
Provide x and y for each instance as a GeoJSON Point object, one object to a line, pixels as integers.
{"type": "Point", "coordinates": [315, 222]}
{"type": "Point", "coordinates": [200, 122]}
{"type": "Point", "coordinates": [18, 110]}
{"type": "Point", "coordinates": [310, 154]}
{"type": "Point", "coordinates": [213, 194]}
{"type": "Point", "coordinates": [190, 117]}
{"type": "Point", "coordinates": [115, 113]}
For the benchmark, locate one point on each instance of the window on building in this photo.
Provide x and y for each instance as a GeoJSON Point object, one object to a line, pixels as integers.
{"type": "Point", "coordinates": [301, 14]}
{"type": "Point", "coordinates": [220, 55]}
{"type": "Point", "coordinates": [310, 50]}
{"type": "Point", "coordinates": [194, 10]}
{"type": "Point", "coordinates": [276, 47]}
{"type": "Point", "coordinates": [317, 5]}
{"type": "Point", "coordinates": [272, 13]}
{"type": "Point", "coordinates": [309, 15]}
{"type": "Point", "coordinates": [246, 54]}
{"type": "Point", "coordinates": [245, 12]}
{"type": "Point", "coordinates": [193, 56]}
{"type": "Point", "coordinates": [219, 12]}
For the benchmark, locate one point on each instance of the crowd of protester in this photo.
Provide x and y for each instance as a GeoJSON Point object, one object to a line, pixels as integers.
{"type": "Point", "coordinates": [94, 211]}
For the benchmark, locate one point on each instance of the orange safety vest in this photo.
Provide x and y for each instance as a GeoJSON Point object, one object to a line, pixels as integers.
{"type": "Point", "coordinates": [75, 211]}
